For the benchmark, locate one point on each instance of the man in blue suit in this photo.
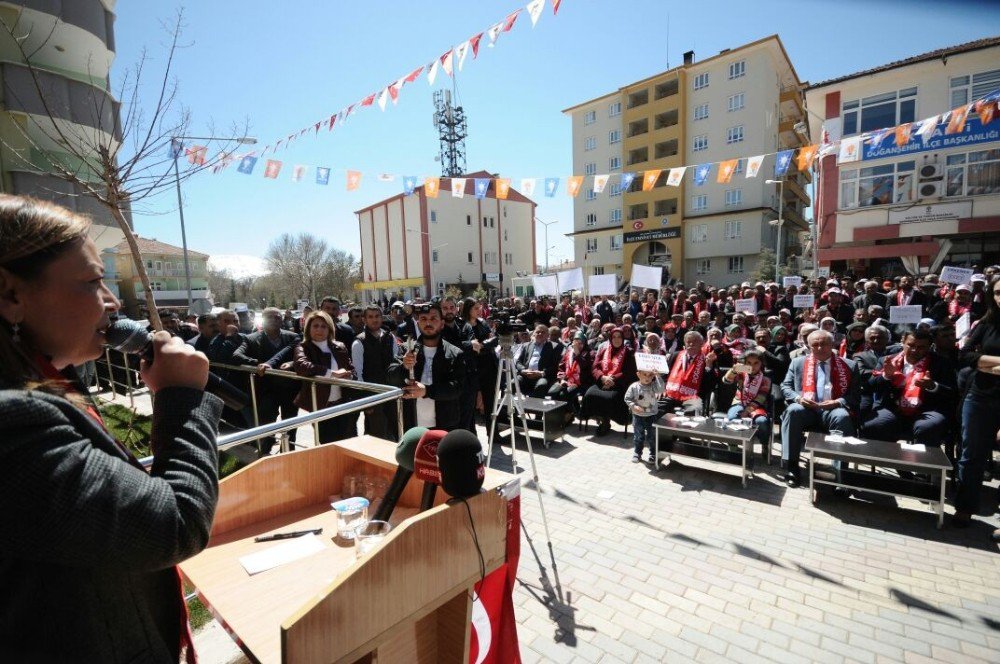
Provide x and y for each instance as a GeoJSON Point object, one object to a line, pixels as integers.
{"type": "Point", "coordinates": [822, 390]}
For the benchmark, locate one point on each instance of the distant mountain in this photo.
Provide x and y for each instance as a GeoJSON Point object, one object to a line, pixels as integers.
{"type": "Point", "coordinates": [238, 266]}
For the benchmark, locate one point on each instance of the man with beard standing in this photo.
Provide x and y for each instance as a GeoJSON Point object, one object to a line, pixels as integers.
{"type": "Point", "coordinates": [432, 398]}
{"type": "Point", "coordinates": [372, 353]}
{"type": "Point", "coordinates": [460, 334]}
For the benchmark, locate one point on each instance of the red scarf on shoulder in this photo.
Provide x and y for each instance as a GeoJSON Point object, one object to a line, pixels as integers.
{"type": "Point", "coordinates": [911, 396]}
{"type": "Point", "coordinates": [750, 386]}
{"type": "Point", "coordinates": [839, 377]}
{"type": "Point", "coordinates": [611, 361]}
{"type": "Point", "coordinates": [683, 383]}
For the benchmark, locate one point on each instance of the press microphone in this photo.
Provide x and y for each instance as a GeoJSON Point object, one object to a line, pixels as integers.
{"type": "Point", "coordinates": [460, 458]}
{"type": "Point", "coordinates": [405, 451]}
{"type": "Point", "coordinates": [132, 338]}
{"type": "Point", "coordinates": [425, 466]}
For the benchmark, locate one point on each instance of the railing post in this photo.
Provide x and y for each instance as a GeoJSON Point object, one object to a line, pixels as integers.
{"type": "Point", "coordinates": [128, 383]}
{"type": "Point", "coordinates": [399, 418]}
{"type": "Point", "coordinates": [315, 424]}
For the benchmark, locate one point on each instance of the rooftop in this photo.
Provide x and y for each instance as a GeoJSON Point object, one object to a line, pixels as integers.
{"type": "Point", "coordinates": [149, 246]}
{"type": "Point", "coordinates": [941, 53]}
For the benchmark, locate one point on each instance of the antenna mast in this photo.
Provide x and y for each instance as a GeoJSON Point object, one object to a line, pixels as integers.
{"type": "Point", "coordinates": [452, 131]}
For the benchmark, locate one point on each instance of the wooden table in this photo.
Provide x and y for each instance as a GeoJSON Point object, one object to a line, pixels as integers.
{"type": "Point", "coordinates": [882, 454]}
{"type": "Point", "coordinates": [544, 408]}
{"type": "Point", "coordinates": [697, 442]}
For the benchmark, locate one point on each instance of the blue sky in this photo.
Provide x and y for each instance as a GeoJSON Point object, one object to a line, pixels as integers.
{"type": "Point", "coordinates": [284, 65]}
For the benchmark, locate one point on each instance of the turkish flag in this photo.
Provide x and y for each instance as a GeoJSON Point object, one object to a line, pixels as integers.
{"type": "Point", "coordinates": [494, 627]}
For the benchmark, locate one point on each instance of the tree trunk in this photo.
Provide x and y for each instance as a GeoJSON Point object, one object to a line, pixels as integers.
{"type": "Point", "coordinates": [140, 267]}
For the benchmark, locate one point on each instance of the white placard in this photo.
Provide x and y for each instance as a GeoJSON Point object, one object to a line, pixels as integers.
{"type": "Point", "coordinates": [570, 280]}
{"type": "Point", "coordinates": [602, 284]}
{"type": "Point", "coordinates": [545, 285]}
{"type": "Point", "coordinates": [962, 325]}
{"type": "Point", "coordinates": [791, 281]}
{"type": "Point", "coordinates": [747, 306]}
{"type": "Point", "coordinates": [823, 271]}
{"type": "Point", "coordinates": [651, 362]}
{"type": "Point", "coordinates": [956, 275]}
{"type": "Point", "coordinates": [910, 314]}
{"type": "Point", "coordinates": [803, 301]}
{"type": "Point", "coordinates": [282, 554]}
{"type": "Point", "coordinates": [647, 276]}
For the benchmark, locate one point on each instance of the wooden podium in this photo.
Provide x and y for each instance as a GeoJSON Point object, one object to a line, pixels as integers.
{"type": "Point", "coordinates": [407, 601]}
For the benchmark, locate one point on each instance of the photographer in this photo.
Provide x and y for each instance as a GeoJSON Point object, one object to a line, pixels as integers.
{"type": "Point", "coordinates": [90, 538]}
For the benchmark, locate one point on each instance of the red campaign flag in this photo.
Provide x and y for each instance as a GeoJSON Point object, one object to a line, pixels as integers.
{"type": "Point", "coordinates": [475, 45]}
{"type": "Point", "coordinates": [332, 121]}
{"type": "Point", "coordinates": [350, 109]}
{"type": "Point", "coordinates": [317, 126]}
{"type": "Point", "coordinates": [196, 154]}
{"type": "Point", "coordinates": [394, 90]}
{"type": "Point", "coordinates": [509, 21]}
{"type": "Point", "coordinates": [555, 6]}
{"type": "Point", "coordinates": [367, 101]}
{"type": "Point", "coordinates": [413, 75]}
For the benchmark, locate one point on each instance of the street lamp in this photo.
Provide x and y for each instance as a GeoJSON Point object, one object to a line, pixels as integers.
{"type": "Point", "coordinates": [430, 268]}
{"type": "Point", "coordinates": [546, 224]}
{"type": "Point", "coordinates": [180, 203]}
{"type": "Point", "coordinates": [779, 222]}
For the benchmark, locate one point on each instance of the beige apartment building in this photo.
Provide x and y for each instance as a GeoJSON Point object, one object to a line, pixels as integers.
{"type": "Point", "coordinates": [742, 102]}
{"type": "Point", "coordinates": [418, 246]}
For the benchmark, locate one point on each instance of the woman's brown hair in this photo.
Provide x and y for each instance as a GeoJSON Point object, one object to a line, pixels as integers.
{"type": "Point", "coordinates": [33, 233]}
{"type": "Point", "coordinates": [325, 317]}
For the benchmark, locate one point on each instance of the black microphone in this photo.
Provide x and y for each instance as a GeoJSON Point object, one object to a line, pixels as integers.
{"type": "Point", "coordinates": [130, 337]}
{"type": "Point", "coordinates": [404, 459]}
{"type": "Point", "coordinates": [460, 458]}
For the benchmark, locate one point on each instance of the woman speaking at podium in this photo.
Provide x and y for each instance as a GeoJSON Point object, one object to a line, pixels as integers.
{"type": "Point", "coordinates": [90, 540]}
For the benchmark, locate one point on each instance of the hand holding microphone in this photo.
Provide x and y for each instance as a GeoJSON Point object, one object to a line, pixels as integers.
{"type": "Point", "coordinates": [177, 364]}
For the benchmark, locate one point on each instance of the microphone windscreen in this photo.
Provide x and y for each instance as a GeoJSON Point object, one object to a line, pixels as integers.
{"type": "Point", "coordinates": [407, 447]}
{"type": "Point", "coordinates": [425, 461]}
{"type": "Point", "coordinates": [460, 458]}
{"type": "Point", "coordinates": [127, 336]}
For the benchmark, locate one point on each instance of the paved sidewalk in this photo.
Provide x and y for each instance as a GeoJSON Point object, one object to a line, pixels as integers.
{"type": "Point", "coordinates": [682, 564]}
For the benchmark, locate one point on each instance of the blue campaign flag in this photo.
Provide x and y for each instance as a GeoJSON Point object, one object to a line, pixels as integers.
{"type": "Point", "coordinates": [246, 165]}
{"type": "Point", "coordinates": [322, 175]}
{"type": "Point", "coordinates": [176, 147]}
{"type": "Point", "coordinates": [551, 184]}
{"type": "Point", "coordinates": [626, 181]}
{"type": "Point", "coordinates": [482, 186]}
{"type": "Point", "coordinates": [701, 174]}
{"type": "Point", "coordinates": [782, 161]}
{"type": "Point", "coordinates": [409, 184]}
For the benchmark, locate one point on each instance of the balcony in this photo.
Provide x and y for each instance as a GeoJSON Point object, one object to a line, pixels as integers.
{"type": "Point", "coordinates": [638, 156]}
{"type": "Point", "coordinates": [638, 128]}
{"type": "Point", "coordinates": [792, 216]}
{"type": "Point", "coordinates": [793, 95]}
{"type": "Point", "coordinates": [665, 207]}
{"type": "Point", "coordinates": [786, 125]}
{"type": "Point", "coordinates": [664, 90]}
{"type": "Point", "coordinates": [793, 187]}
{"type": "Point", "coordinates": [665, 149]}
{"type": "Point", "coordinates": [664, 120]}
{"type": "Point", "coordinates": [638, 98]}
{"type": "Point", "coordinates": [636, 212]}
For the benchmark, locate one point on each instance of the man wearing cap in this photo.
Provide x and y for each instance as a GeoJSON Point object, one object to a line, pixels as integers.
{"type": "Point", "coordinates": [838, 309]}
{"type": "Point", "coordinates": [871, 296]}
{"type": "Point", "coordinates": [961, 303]}
{"type": "Point", "coordinates": [978, 282]}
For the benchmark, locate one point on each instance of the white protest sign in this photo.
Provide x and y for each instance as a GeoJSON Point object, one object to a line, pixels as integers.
{"type": "Point", "coordinates": [602, 284]}
{"type": "Point", "coordinates": [956, 275]}
{"type": "Point", "coordinates": [803, 301]}
{"type": "Point", "coordinates": [747, 306]}
{"type": "Point", "coordinates": [647, 276]}
{"type": "Point", "coordinates": [651, 362]}
{"type": "Point", "coordinates": [546, 285]}
{"type": "Point", "coordinates": [791, 281]}
{"type": "Point", "coordinates": [910, 314]}
{"type": "Point", "coordinates": [962, 325]}
{"type": "Point", "coordinates": [823, 271]}
{"type": "Point", "coordinates": [570, 280]}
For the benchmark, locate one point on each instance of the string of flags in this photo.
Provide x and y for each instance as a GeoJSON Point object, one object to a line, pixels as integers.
{"type": "Point", "coordinates": [451, 60]}
{"type": "Point", "coordinates": [847, 149]}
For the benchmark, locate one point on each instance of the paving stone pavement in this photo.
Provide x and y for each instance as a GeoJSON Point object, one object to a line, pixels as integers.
{"type": "Point", "coordinates": [683, 564]}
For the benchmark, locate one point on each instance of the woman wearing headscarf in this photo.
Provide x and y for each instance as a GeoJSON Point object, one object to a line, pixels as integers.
{"type": "Point", "coordinates": [613, 372]}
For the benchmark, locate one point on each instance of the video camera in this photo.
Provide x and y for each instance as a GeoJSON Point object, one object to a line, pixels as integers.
{"type": "Point", "coordinates": [506, 324]}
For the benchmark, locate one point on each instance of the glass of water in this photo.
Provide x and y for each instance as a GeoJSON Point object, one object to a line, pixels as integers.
{"type": "Point", "coordinates": [369, 535]}
{"type": "Point", "coordinates": [351, 513]}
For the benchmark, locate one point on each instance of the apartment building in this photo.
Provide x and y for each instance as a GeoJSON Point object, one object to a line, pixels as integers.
{"type": "Point", "coordinates": [167, 278]}
{"type": "Point", "coordinates": [742, 102]}
{"type": "Point", "coordinates": [419, 245]}
{"type": "Point", "coordinates": [927, 203]}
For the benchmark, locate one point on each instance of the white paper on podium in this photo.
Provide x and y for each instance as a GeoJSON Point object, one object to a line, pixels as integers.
{"type": "Point", "coordinates": [602, 284]}
{"type": "Point", "coordinates": [803, 301]}
{"type": "Point", "coordinates": [651, 362]}
{"type": "Point", "coordinates": [747, 306]}
{"type": "Point", "coordinates": [545, 285]}
{"type": "Point", "coordinates": [791, 281]}
{"type": "Point", "coordinates": [962, 325]}
{"type": "Point", "coordinates": [647, 276]}
{"type": "Point", "coordinates": [956, 275]}
{"type": "Point", "coordinates": [570, 280]}
{"type": "Point", "coordinates": [282, 554]}
{"type": "Point", "coordinates": [909, 314]}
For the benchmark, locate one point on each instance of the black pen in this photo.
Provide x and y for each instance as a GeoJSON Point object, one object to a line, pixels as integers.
{"type": "Point", "coordinates": [281, 536]}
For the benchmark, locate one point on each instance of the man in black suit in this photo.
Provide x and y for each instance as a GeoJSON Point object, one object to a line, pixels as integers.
{"type": "Point", "coordinates": [906, 294]}
{"type": "Point", "coordinates": [345, 333]}
{"type": "Point", "coordinates": [537, 363]}
{"type": "Point", "coordinates": [915, 393]}
{"type": "Point", "coordinates": [838, 309]}
{"type": "Point", "coordinates": [271, 348]}
{"type": "Point", "coordinates": [605, 310]}
{"type": "Point", "coordinates": [872, 295]}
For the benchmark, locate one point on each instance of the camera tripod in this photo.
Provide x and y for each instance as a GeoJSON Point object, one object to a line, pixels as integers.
{"type": "Point", "coordinates": [513, 399]}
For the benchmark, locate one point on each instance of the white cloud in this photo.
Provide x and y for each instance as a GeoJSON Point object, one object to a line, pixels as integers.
{"type": "Point", "coordinates": [238, 266]}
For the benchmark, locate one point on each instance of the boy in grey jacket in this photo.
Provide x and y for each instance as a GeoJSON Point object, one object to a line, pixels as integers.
{"type": "Point", "coordinates": [642, 398]}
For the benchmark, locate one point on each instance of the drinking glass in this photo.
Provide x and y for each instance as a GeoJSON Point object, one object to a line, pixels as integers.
{"type": "Point", "coordinates": [369, 535]}
{"type": "Point", "coordinates": [351, 513]}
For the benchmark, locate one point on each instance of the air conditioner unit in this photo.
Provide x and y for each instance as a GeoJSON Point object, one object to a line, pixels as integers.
{"type": "Point", "coordinates": [933, 189]}
{"type": "Point", "coordinates": [931, 171]}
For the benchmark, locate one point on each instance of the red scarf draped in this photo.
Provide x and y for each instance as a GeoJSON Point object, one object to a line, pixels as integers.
{"type": "Point", "coordinates": [571, 368]}
{"type": "Point", "coordinates": [683, 383]}
{"type": "Point", "coordinates": [699, 307]}
{"type": "Point", "coordinates": [912, 396]}
{"type": "Point", "coordinates": [955, 310]}
{"type": "Point", "coordinates": [49, 372]}
{"type": "Point", "coordinates": [679, 306]}
{"type": "Point", "coordinates": [650, 309]}
{"type": "Point", "coordinates": [845, 347]}
{"type": "Point", "coordinates": [611, 362]}
{"type": "Point", "coordinates": [839, 377]}
{"type": "Point", "coordinates": [750, 386]}
{"type": "Point", "coordinates": [899, 297]}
